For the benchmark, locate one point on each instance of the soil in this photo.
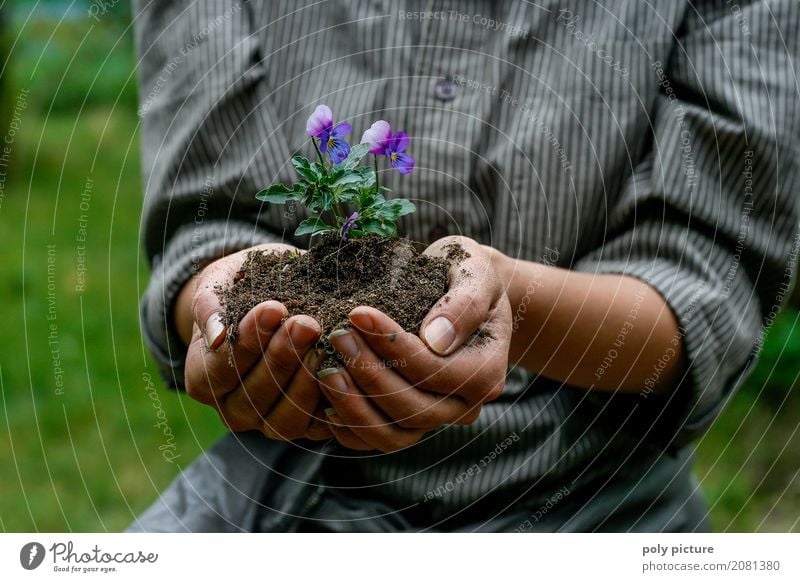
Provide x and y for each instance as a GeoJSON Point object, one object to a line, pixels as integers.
{"type": "Point", "coordinates": [335, 276]}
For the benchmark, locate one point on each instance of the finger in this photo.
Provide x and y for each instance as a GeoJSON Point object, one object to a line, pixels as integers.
{"type": "Point", "coordinates": [244, 408]}
{"type": "Point", "coordinates": [347, 438]}
{"type": "Point", "coordinates": [319, 428]}
{"type": "Point", "coordinates": [405, 404]}
{"type": "Point", "coordinates": [318, 431]}
{"type": "Point", "coordinates": [290, 418]}
{"type": "Point", "coordinates": [474, 288]}
{"type": "Point", "coordinates": [355, 412]}
{"type": "Point", "coordinates": [471, 373]}
{"type": "Point", "coordinates": [209, 374]}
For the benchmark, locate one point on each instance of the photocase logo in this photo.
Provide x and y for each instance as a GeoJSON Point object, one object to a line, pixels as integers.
{"type": "Point", "coordinates": [31, 555]}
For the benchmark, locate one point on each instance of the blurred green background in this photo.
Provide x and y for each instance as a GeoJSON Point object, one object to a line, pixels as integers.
{"type": "Point", "coordinates": [87, 455]}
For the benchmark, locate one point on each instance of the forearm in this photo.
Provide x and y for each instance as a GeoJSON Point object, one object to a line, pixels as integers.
{"type": "Point", "coordinates": [608, 332]}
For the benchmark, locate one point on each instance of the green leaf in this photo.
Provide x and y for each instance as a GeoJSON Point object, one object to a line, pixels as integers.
{"type": "Point", "coordinates": [323, 200]}
{"type": "Point", "coordinates": [307, 174]}
{"type": "Point", "coordinates": [365, 171]}
{"type": "Point", "coordinates": [301, 162]}
{"type": "Point", "coordinates": [368, 199]}
{"type": "Point", "coordinates": [367, 174]}
{"type": "Point", "coordinates": [348, 178]}
{"type": "Point", "coordinates": [303, 168]}
{"type": "Point", "coordinates": [319, 170]}
{"type": "Point", "coordinates": [279, 194]}
{"type": "Point", "coordinates": [333, 176]}
{"type": "Point", "coordinates": [396, 208]}
{"type": "Point", "coordinates": [357, 153]}
{"type": "Point", "coordinates": [386, 228]}
{"type": "Point", "coordinates": [312, 226]}
{"type": "Point", "coordinates": [350, 195]}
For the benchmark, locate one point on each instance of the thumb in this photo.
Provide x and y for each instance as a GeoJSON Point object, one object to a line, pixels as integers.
{"type": "Point", "coordinates": [206, 307]}
{"type": "Point", "coordinates": [474, 288]}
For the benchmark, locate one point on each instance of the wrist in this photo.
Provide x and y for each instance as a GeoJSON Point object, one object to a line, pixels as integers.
{"type": "Point", "coordinates": [503, 266]}
{"type": "Point", "coordinates": [533, 289]}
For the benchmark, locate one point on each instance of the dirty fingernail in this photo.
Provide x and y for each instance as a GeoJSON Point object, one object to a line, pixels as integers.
{"type": "Point", "coordinates": [327, 372]}
{"type": "Point", "coordinates": [312, 359]}
{"type": "Point", "coordinates": [333, 418]}
{"type": "Point", "coordinates": [344, 343]}
{"type": "Point", "coordinates": [440, 335]}
{"type": "Point", "coordinates": [215, 332]}
{"type": "Point", "coordinates": [335, 385]}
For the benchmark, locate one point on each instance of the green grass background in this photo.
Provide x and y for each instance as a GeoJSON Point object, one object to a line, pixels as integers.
{"type": "Point", "coordinates": [89, 459]}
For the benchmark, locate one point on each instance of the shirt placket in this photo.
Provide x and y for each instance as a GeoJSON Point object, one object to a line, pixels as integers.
{"type": "Point", "coordinates": [434, 116]}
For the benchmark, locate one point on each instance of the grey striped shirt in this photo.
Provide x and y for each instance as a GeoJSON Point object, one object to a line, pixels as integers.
{"type": "Point", "coordinates": [654, 139]}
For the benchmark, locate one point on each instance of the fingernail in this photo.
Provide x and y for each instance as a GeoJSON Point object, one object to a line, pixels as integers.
{"type": "Point", "coordinates": [327, 372]}
{"type": "Point", "coordinates": [362, 320]}
{"type": "Point", "coordinates": [344, 343]}
{"type": "Point", "coordinates": [333, 417]}
{"type": "Point", "coordinates": [440, 335]}
{"type": "Point", "coordinates": [302, 333]}
{"type": "Point", "coordinates": [270, 316]}
{"type": "Point", "coordinates": [335, 386]}
{"type": "Point", "coordinates": [312, 359]}
{"type": "Point", "coordinates": [215, 332]}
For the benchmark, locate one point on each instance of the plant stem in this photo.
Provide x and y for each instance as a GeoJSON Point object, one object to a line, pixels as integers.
{"type": "Point", "coordinates": [337, 214]}
{"type": "Point", "coordinates": [319, 153]}
{"type": "Point", "coordinates": [377, 180]}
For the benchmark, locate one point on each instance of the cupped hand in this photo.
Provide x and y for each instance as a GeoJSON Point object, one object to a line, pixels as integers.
{"type": "Point", "coordinates": [266, 381]}
{"type": "Point", "coordinates": [395, 387]}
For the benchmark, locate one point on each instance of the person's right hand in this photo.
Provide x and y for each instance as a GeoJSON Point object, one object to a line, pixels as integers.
{"type": "Point", "coordinates": [272, 384]}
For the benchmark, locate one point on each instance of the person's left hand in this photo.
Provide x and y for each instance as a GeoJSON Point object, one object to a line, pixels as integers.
{"type": "Point", "coordinates": [396, 387]}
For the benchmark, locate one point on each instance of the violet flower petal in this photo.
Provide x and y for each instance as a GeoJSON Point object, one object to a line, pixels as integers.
{"type": "Point", "coordinates": [349, 224]}
{"type": "Point", "coordinates": [401, 162]}
{"type": "Point", "coordinates": [324, 141]}
{"type": "Point", "coordinates": [338, 150]}
{"type": "Point", "coordinates": [341, 130]}
{"type": "Point", "coordinates": [319, 121]}
{"type": "Point", "coordinates": [377, 136]}
{"type": "Point", "coordinates": [399, 142]}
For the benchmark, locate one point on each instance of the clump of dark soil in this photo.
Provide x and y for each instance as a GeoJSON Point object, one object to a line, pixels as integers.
{"type": "Point", "coordinates": [335, 276]}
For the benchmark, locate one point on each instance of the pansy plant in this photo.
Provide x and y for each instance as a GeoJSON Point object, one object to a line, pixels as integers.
{"type": "Point", "coordinates": [344, 196]}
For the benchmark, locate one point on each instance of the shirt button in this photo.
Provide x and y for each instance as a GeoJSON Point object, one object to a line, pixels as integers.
{"type": "Point", "coordinates": [436, 233]}
{"type": "Point", "coordinates": [445, 90]}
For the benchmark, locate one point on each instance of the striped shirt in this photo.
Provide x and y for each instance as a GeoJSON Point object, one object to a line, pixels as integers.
{"type": "Point", "coordinates": [652, 139]}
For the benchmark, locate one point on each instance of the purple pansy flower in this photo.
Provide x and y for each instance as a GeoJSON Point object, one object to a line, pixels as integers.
{"type": "Point", "coordinates": [378, 137]}
{"type": "Point", "coordinates": [348, 224]}
{"type": "Point", "coordinates": [382, 142]}
{"type": "Point", "coordinates": [400, 161]}
{"type": "Point", "coordinates": [331, 138]}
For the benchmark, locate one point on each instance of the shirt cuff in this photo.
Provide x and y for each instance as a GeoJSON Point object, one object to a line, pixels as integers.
{"type": "Point", "coordinates": [188, 251]}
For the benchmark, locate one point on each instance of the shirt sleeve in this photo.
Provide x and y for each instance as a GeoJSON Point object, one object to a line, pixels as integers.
{"type": "Point", "coordinates": [708, 217]}
{"type": "Point", "coordinates": [206, 133]}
